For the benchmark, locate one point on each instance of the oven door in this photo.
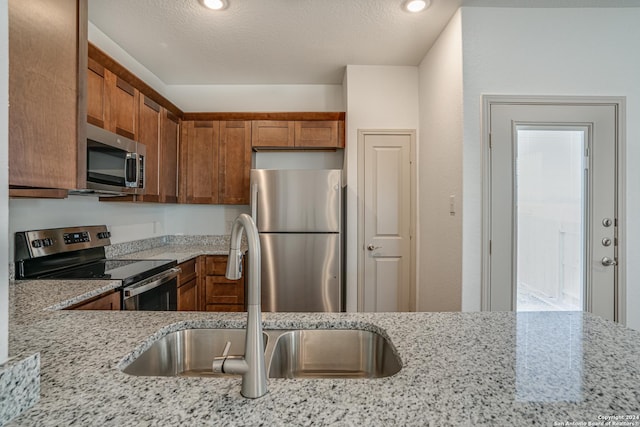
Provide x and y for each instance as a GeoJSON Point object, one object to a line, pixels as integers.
{"type": "Point", "coordinates": [157, 293]}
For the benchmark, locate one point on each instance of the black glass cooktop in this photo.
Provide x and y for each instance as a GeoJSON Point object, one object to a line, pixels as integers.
{"type": "Point", "coordinates": [126, 270]}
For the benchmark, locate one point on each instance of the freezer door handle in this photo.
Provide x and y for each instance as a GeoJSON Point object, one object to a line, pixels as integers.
{"type": "Point", "coordinates": [254, 202]}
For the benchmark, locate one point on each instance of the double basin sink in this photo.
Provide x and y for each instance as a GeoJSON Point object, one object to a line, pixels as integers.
{"type": "Point", "coordinates": [302, 353]}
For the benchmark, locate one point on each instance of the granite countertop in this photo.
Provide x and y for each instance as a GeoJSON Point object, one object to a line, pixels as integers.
{"type": "Point", "coordinates": [182, 252]}
{"type": "Point", "coordinates": [491, 369]}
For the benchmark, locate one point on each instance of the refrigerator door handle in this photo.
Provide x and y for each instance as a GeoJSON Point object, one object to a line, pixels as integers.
{"type": "Point", "coordinates": [254, 202]}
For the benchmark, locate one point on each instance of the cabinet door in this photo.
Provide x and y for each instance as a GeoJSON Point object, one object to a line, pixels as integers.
{"type": "Point", "coordinates": [199, 162]}
{"type": "Point", "coordinates": [272, 133]}
{"type": "Point", "coordinates": [122, 102]}
{"type": "Point", "coordinates": [188, 271]}
{"type": "Point", "coordinates": [220, 290]}
{"type": "Point", "coordinates": [217, 292]}
{"type": "Point", "coordinates": [317, 134]}
{"type": "Point", "coordinates": [149, 135]}
{"type": "Point", "coordinates": [43, 92]}
{"type": "Point", "coordinates": [235, 162]}
{"type": "Point", "coordinates": [187, 296]}
{"type": "Point", "coordinates": [109, 301]}
{"type": "Point", "coordinates": [169, 157]}
{"type": "Point", "coordinates": [96, 111]}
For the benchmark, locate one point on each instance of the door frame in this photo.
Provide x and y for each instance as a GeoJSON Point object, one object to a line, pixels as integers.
{"type": "Point", "coordinates": [412, 208]}
{"type": "Point", "coordinates": [619, 103]}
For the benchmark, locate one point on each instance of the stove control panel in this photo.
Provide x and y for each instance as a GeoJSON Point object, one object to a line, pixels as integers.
{"type": "Point", "coordinates": [71, 238]}
{"type": "Point", "coordinates": [39, 243]}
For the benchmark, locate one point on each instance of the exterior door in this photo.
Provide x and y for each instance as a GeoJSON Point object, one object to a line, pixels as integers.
{"type": "Point", "coordinates": [553, 216]}
{"type": "Point", "coordinates": [386, 188]}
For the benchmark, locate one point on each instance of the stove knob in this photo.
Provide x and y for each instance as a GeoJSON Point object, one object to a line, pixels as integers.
{"type": "Point", "coordinates": [36, 243]}
{"type": "Point", "coordinates": [47, 242]}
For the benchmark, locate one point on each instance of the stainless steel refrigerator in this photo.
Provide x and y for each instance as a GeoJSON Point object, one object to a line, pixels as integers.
{"type": "Point", "coordinates": [299, 215]}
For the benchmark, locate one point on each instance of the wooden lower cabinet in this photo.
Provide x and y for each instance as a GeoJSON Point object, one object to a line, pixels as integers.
{"type": "Point", "coordinates": [217, 292]}
{"type": "Point", "coordinates": [188, 296]}
{"type": "Point", "coordinates": [188, 286]}
{"type": "Point", "coordinates": [109, 301]}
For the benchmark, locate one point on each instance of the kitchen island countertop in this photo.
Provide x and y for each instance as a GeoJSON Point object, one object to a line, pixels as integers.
{"type": "Point", "coordinates": [485, 368]}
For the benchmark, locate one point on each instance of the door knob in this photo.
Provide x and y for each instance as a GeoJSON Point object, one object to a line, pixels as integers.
{"type": "Point", "coordinates": [371, 247]}
{"type": "Point", "coordinates": [606, 261]}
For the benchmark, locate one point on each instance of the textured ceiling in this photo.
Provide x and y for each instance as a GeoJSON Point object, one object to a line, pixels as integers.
{"type": "Point", "coordinates": [268, 41]}
{"type": "Point", "coordinates": [282, 41]}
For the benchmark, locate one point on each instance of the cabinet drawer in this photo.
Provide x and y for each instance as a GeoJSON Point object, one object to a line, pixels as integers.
{"type": "Point", "coordinates": [215, 265]}
{"type": "Point", "coordinates": [188, 272]}
{"type": "Point", "coordinates": [220, 290]}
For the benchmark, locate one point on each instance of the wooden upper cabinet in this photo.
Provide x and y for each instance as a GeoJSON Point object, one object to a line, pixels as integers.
{"type": "Point", "coordinates": [112, 103]}
{"type": "Point", "coordinates": [215, 162]}
{"type": "Point", "coordinates": [44, 86]}
{"type": "Point", "coordinates": [96, 111]}
{"type": "Point", "coordinates": [313, 134]}
{"type": "Point", "coordinates": [169, 125]}
{"type": "Point", "coordinates": [235, 162]}
{"type": "Point", "coordinates": [122, 99]}
{"type": "Point", "coordinates": [272, 133]}
{"type": "Point", "coordinates": [318, 134]}
{"type": "Point", "coordinates": [149, 117]}
{"type": "Point", "coordinates": [199, 144]}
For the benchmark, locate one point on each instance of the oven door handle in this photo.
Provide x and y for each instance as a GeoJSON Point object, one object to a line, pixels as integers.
{"type": "Point", "coordinates": [152, 282]}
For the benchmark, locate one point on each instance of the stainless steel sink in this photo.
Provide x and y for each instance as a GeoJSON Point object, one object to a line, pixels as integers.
{"type": "Point", "coordinates": [333, 354]}
{"type": "Point", "coordinates": [304, 353]}
{"type": "Point", "coordinates": [187, 353]}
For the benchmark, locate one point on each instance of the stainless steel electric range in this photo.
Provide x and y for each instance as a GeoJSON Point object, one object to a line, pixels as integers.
{"type": "Point", "coordinates": [78, 253]}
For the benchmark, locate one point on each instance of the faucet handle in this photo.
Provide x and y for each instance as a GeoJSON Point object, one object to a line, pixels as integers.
{"type": "Point", "coordinates": [218, 362]}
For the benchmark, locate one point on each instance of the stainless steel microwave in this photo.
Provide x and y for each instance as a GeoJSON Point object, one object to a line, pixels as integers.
{"type": "Point", "coordinates": [115, 164]}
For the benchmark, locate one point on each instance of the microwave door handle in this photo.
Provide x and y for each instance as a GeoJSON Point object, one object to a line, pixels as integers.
{"type": "Point", "coordinates": [131, 170]}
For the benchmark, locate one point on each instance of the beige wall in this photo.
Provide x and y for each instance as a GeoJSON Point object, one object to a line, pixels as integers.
{"type": "Point", "coordinates": [440, 173]}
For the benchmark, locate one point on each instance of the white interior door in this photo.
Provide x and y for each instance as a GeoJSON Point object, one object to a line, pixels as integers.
{"type": "Point", "coordinates": [386, 215]}
{"type": "Point", "coordinates": [553, 227]}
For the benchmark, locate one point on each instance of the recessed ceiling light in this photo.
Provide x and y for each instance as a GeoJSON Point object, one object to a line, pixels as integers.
{"type": "Point", "coordinates": [215, 4]}
{"type": "Point", "coordinates": [416, 6]}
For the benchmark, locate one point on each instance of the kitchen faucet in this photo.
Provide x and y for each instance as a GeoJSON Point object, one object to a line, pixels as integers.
{"type": "Point", "coordinates": [251, 366]}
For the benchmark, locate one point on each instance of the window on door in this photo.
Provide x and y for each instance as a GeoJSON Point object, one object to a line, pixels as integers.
{"type": "Point", "coordinates": [550, 218]}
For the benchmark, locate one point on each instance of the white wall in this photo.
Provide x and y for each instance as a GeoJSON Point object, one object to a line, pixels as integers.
{"type": "Point", "coordinates": [4, 181]}
{"type": "Point", "coordinates": [201, 219]}
{"type": "Point", "coordinates": [208, 98]}
{"type": "Point", "coordinates": [126, 221]}
{"type": "Point", "coordinates": [549, 52]}
{"type": "Point", "coordinates": [108, 46]}
{"type": "Point", "coordinates": [377, 97]}
{"type": "Point", "coordinates": [440, 173]}
{"type": "Point", "coordinates": [265, 98]}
